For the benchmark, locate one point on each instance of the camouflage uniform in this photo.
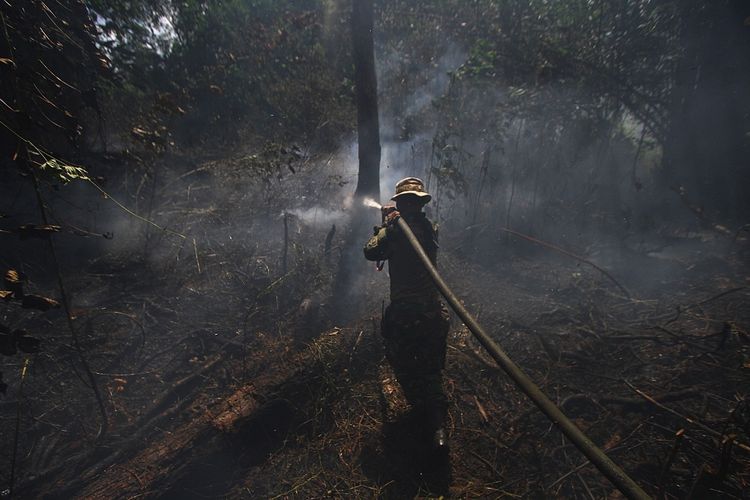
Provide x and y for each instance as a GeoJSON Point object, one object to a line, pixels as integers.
{"type": "Point", "coordinates": [416, 323]}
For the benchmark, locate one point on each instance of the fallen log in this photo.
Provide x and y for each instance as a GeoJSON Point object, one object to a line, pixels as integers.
{"type": "Point", "coordinates": [144, 463]}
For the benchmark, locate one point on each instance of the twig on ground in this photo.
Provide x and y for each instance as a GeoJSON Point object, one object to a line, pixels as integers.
{"type": "Point", "coordinates": [683, 417]}
{"type": "Point", "coordinates": [197, 260]}
{"type": "Point", "coordinates": [670, 459]}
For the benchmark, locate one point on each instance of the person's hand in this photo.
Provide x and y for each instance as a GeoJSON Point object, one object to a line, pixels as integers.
{"type": "Point", "coordinates": [390, 215]}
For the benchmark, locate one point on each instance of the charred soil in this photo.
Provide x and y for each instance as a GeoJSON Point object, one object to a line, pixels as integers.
{"type": "Point", "coordinates": [225, 374]}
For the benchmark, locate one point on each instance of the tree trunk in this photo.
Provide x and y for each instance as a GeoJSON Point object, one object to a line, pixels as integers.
{"type": "Point", "coordinates": [366, 88]}
{"type": "Point", "coordinates": [348, 291]}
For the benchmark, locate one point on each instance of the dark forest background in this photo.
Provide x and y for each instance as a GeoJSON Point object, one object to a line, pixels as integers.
{"type": "Point", "coordinates": [202, 154]}
{"type": "Point", "coordinates": [629, 102]}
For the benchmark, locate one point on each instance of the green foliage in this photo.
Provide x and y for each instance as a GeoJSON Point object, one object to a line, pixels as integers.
{"type": "Point", "coordinates": [482, 61]}
{"type": "Point", "coordinates": [225, 68]}
{"type": "Point", "coordinates": [551, 90]}
{"type": "Point", "coordinates": [177, 73]}
{"type": "Point", "coordinates": [447, 169]}
{"type": "Point", "coordinates": [618, 57]}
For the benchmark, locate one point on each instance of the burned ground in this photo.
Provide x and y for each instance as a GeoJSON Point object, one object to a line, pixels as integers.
{"type": "Point", "coordinates": [224, 371]}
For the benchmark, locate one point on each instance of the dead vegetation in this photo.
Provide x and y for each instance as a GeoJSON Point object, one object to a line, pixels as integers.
{"type": "Point", "coordinates": [225, 375]}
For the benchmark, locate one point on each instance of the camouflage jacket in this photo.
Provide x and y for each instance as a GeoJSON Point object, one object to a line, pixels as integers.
{"type": "Point", "coordinates": [410, 281]}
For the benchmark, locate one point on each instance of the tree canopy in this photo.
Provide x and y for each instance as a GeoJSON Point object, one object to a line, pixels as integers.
{"type": "Point", "coordinates": [211, 71]}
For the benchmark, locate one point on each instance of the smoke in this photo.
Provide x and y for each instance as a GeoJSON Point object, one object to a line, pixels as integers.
{"type": "Point", "coordinates": [539, 160]}
{"type": "Point", "coordinates": [408, 124]}
{"type": "Point", "coordinates": [408, 91]}
{"type": "Point", "coordinates": [318, 216]}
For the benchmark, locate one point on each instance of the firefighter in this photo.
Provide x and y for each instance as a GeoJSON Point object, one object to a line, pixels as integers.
{"type": "Point", "coordinates": [415, 324]}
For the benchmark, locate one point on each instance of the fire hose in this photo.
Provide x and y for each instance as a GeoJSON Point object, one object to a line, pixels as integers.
{"type": "Point", "coordinates": [601, 461]}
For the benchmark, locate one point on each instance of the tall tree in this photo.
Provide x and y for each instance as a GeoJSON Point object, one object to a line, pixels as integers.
{"type": "Point", "coordinates": [347, 296]}
{"type": "Point", "coordinates": [366, 88]}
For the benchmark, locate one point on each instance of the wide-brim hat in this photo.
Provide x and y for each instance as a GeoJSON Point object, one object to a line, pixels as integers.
{"type": "Point", "coordinates": [411, 185]}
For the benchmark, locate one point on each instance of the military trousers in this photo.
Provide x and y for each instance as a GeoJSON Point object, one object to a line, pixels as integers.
{"type": "Point", "coordinates": [415, 336]}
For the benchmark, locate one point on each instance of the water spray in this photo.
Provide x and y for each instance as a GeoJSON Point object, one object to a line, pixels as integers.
{"type": "Point", "coordinates": [601, 461]}
{"type": "Point", "coordinates": [369, 202]}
